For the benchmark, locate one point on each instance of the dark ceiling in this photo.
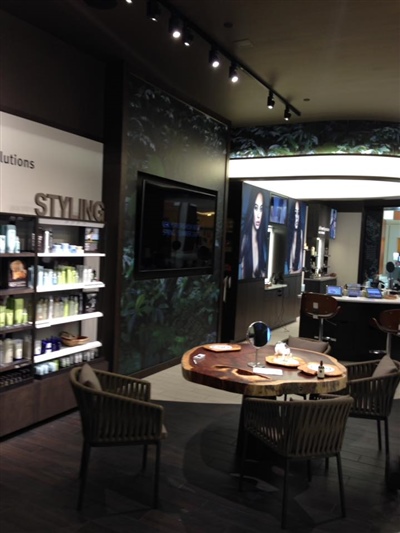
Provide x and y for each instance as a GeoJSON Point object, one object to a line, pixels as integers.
{"type": "Point", "coordinates": [331, 59]}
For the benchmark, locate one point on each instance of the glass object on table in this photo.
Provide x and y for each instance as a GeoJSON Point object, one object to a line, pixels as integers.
{"type": "Point", "coordinates": [258, 334]}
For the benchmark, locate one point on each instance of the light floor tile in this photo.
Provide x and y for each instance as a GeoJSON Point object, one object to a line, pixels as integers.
{"type": "Point", "coordinates": [170, 385]}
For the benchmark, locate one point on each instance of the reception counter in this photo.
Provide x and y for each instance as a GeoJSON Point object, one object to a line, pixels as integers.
{"type": "Point", "coordinates": [319, 284]}
{"type": "Point", "coordinates": [353, 336]}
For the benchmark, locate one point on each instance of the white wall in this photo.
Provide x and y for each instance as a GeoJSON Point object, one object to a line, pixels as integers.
{"type": "Point", "coordinates": [344, 250]}
{"type": "Point", "coordinates": [60, 163]}
{"type": "Point", "coordinates": [392, 238]}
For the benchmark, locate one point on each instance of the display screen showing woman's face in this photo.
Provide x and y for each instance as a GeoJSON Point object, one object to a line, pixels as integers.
{"type": "Point", "coordinates": [296, 215]}
{"type": "Point", "coordinates": [258, 211]}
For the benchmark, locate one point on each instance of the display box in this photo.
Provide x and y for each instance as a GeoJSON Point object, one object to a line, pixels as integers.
{"type": "Point", "coordinates": [13, 274]}
{"type": "Point", "coordinates": [92, 236]}
{"type": "Point", "coordinates": [17, 274]}
{"type": "Point", "coordinates": [89, 302]}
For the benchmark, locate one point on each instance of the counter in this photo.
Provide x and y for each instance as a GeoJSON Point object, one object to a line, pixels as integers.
{"type": "Point", "coordinates": [362, 299]}
{"type": "Point", "coordinates": [319, 284]}
{"type": "Point", "coordinates": [353, 336]}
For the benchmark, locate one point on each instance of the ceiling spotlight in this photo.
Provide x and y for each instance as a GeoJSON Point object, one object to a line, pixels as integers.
{"type": "Point", "coordinates": [270, 101]}
{"type": "Point", "coordinates": [175, 27]}
{"type": "Point", "coordinates": [233, 73]}
{"type": "Point", "coordinates": [128, 1]}
{"type": "Point", "coordinates": [153, 10]}
{"type": "Point", "coordinates": [187, 36]}
{"type": "Point", "coordinates": [213, 58]}
{"type": "Point", "coordinates": [287, 114]}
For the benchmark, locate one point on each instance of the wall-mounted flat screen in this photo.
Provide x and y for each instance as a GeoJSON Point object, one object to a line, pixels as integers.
{"type": "Point", "coordinates": [295, 236]}
{"type": "Point", "coordinates": [175, 228]}
{"type": "Point", "coordinates": [254, 237]}
{"type": "Point", "coordinates": [278, 210]}
{"type": "Point", "coordinates": [332, 224]}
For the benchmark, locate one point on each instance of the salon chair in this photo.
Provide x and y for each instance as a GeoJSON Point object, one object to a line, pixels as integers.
{"type": "Point", "coordinates": [388, 323]}
{"type": "Point", "coordinates": [116, 410]}
{"type": "Point", "coordinates": [297, 430]}
{"type": "Point", "coordinates": [320, 307]}
{"type": "Point", "coordinates": [373, 385]}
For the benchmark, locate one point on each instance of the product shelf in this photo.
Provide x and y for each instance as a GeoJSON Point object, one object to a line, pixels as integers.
{"type": "Point", "coordinates": [42, 358]}
{"type": "Point", "coordinates": [71, 287]}
{"type": "Point", "coordinates": [70, 254]}
{"type": "Point", "coordinates": [40, 324]}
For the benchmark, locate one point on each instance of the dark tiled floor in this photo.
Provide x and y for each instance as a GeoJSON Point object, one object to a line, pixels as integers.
{"type": "Point", "coordinates": [199, 486]}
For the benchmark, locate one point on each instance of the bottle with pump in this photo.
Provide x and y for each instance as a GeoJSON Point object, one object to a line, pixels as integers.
{"type": "Point", "coordinates": [51, 308]}
{"type": "Point", "coordinates": [321, 371]}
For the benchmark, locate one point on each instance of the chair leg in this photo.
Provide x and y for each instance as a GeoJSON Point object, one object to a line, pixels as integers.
{"type": "Point", "coordinates": [83, 473]}
{"type": "Point", "coordinates": [386, 422]}
{"type": "Point", "coordinates": [387, 454]}
{"type": "Point", "coordinates": [243, 460]}
{"type": "Point", "coordinates": [321, 329]}
{"type": "Point", "coordinates": [156, 475]}
{"type": "Point", "coordinates": [389, 344]}
{"type": "Point", "coordinates": [285, 494]}
{"type": "Point", "coordinates": [144, 457]}
{"type": "Point", "coordinates": [341, 487]}
{"type": "Point", "coordinates": [378, 424]}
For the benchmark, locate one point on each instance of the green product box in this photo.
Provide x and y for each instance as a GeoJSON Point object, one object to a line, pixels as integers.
{"type": "Point", "coordinates": [18, 303]}
{"type": "Point", "coordinates": [2, 316]}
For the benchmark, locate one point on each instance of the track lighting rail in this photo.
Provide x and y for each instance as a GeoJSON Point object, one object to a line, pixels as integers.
{"type": "Point", "coordinates": [240, 66]}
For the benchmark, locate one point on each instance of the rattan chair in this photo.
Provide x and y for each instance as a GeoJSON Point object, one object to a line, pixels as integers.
{"type": "Point", "coordinates": [304, 343]}
{"type": "Point", "coordinates": [116, 410]}
{"type": "Point", "coordinates": [297, 430]}
{"type": "Point", "coordinates": [373, 392]}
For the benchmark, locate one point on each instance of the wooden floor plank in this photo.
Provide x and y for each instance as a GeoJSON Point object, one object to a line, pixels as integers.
{"type": "Point", "coordinates": [199, 484]}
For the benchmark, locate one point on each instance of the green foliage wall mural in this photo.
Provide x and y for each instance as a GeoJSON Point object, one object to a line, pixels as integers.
{"type": "Point", "coordinates": [335, 137]}
{"type": "Point", "coordinates": [161, 318]}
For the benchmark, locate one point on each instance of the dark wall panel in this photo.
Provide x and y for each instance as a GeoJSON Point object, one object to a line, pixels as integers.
{"type": "Point", "coordinates": [161, 318]}
{"type": "Point", "coordinates": [46, 80]}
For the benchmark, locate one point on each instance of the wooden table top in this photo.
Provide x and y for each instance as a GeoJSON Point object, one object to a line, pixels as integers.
{"type": "Point", "coordinates": [229, 371]}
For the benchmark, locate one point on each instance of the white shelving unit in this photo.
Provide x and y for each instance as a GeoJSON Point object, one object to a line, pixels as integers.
{"type": "Point", "coordinates": [50, 356]}
{"type": "Point", "coordinates": [69, 233]}
{"type": "Point", "coordinates": [40, 324]}
{"type": "Point", "coordinates": [71, 287]}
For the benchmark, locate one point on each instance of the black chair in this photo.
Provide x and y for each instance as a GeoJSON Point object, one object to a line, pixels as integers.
{"type": "Point", "coordinates": [116, 410]}
{"type": "Point", "coordinates": [388, 323]}
{"type": "Point", "coordinates": [297, 430]}
{"type": "Point", "coordinates": [320, 307]}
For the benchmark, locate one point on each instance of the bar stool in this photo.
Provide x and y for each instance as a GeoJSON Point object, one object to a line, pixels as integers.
{"type": "Point", "coordinates": [389, 323]}
{"type": "Point", "coordinates": [321, 307]}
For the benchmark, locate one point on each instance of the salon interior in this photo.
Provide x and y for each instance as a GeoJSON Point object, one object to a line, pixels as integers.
{"type": "Point", "coordinates": [305, 107]}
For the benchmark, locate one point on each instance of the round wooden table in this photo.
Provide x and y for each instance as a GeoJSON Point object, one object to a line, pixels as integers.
{"type": "Point", "coordinates": [229, 371]}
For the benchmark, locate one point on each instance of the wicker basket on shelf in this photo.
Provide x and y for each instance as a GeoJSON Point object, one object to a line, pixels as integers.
{"type": "Point", "coordinates": [71, 340]}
